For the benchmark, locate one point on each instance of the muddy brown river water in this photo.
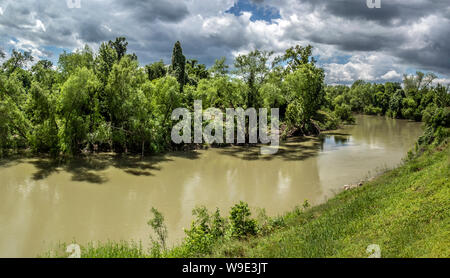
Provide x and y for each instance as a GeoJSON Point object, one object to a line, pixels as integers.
{"type": "Point", "coordinates": [107, 198]}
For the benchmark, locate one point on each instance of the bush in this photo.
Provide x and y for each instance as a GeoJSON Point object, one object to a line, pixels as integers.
{"type": "Point", "coordinates": [242, 225]}
{"type": "Point", "coordinates": [327, 120]}
{"type": "Point", "coordinates": [437, 124]}
{"type": "Point", "coordinates": [436, 117]}
{"type": "Point", "coordinates": [372, 110]}
{"type": "Point", "coordinates": [344, 112]}
{"type": "Point", "coordinates": [198, 241]}
{"type": "Point", "coordinates": [204, 232]}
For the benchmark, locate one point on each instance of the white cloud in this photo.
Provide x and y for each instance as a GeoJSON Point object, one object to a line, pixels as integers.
{"type": "Point", "coordinates": [39, 26]}
{"type": "Point", "coordinates": [351, 44]}
{"type": "Point", "coordinates": [442, 81]}
{"type": "Point", "coordinates": [391, 75]}
{"type": "Point", "coordinates": [370, 67]}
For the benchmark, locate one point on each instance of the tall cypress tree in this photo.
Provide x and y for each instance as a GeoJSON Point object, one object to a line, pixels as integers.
{"type": "Point", "coordinates": [179, 64]}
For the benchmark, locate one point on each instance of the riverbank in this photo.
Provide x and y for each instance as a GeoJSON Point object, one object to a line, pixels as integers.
{"type": "Point", "coordinates": [404, 211]}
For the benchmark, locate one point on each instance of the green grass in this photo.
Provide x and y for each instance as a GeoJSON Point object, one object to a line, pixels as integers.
{"type": "Point", "coordinates": [405, 211]}
{"type": "Point", "coordinates": [109, 249]}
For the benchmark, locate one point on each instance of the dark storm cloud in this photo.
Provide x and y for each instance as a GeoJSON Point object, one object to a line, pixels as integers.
{"type": "Point", "coordinates": [404, 33]}
{"type": "Point", "coordinates": [148, 11]}
{"type": "Point", "coordinates": [435, 55]}
{"type": "Point", "coordinates": [93, 32]}
{"type": "Point", "coordinates": [396, 28]}
{"type": "Point", "coordinates": [391, 11]}
{"type": "Point", "coordinates": [359, 41]}
{"type": "Point", "coordinates": [205, 48]}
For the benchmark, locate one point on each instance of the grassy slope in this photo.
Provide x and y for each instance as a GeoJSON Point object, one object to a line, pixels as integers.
{"type": "Point", "coordinates": [405, 211]}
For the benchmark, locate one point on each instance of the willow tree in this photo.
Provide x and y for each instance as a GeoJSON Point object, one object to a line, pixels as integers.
{"type": "Point", "coordinates": [306, 94]}
{"type": "Point", "coordinates": [14, 125]}
{"type": "Point", "coordinates": [41, 111]}
{"type": "Point", "coordinates": [78, 110]}
{"type": "Point", "coordinates": [125, 79]}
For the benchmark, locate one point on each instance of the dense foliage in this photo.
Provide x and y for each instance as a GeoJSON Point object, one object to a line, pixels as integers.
{"type": "Point", "coordinates": [106, 101]}
{"type": "Point", "coordinates": [416, 100]}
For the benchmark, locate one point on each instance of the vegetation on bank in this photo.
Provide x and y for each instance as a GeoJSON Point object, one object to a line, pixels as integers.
{"type": "Point", "coordinates": [406, 211]}
{"type": "Point", "coordinates": [105, 101]}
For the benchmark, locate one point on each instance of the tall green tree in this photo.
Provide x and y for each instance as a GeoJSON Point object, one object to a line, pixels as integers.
{"type": "Point", "coordinates": [104, 62]}
{"type": "Point", "coordinates": [253, 69]}
{"type": "Point", "coordinates": [125, 79]}
{"type": "Point", "coordinates": [69, 63]}
{"type": "Point", "coordinates": [179, 64]}
{"type": "Point", "coordinates": [220, 68]}
{"type": "Point", "coordinates": [14, 123]}
{"type": "Point", "coordinates": [297, 56]}
{"type": "Point", "coordinates": [195, 72]}
{"type": "Point", "coordinates": [44, 74]}
{"type": "Point", "coordinates": [79, 110]}
{"type": "Point", "coordinates": [306, 94]}
{"type": "Point", "coordinates": [418, 82]}
{"type": "Point", "coordinates": [18, 60]}
{"type": "Point", "coordinates": [156, 70]}
{"type": "Point", "coordinates": [142, 123]}
{"type": "Point", "coordinates": [165, 92]}
{"type": "Point", "coordinates": [41, 111]}
{"type": "Point", "coordinates": [120, 45]}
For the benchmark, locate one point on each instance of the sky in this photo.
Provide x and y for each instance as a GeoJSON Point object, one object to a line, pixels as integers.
{"type": "Point", "coordinates": [351, 41]}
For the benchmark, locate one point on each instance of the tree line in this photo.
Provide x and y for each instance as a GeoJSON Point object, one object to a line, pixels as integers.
{"type": "Point", "coordinates": [417, 99]}
{"type": "Point", "coordinates": [105, 101]}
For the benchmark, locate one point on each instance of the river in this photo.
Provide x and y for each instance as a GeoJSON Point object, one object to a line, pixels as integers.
{"type": "Point", "coordinates": [109, 198]}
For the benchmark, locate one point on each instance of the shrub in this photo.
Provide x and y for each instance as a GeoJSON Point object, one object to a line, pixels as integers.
{"type": "Point", "coordinates": [437, 124]}
{"type": "Point", "coordinates": [157, 223]}
{"type": "Point", "coordinates": [327, 120]}
{"type": "Point", "coordinates": [344, 112]}
{"type": "Point", "coordinates": [242, 225]}
{"type": "Point", "coordinates": [372, 110]}
{"type": "Point", "coordinates": [204, 232]}
{"type": "Point", "coordinates": [198, 240]}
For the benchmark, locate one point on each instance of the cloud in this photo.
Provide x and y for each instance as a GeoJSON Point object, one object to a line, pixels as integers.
{"type": "Point", "coordinates": [391, 75]}
{"type": "Point", "coordinates": [149, 11]}
{"type": "Point", "coordinates": [442, 81]}
{"type": "Point", "coordinates": [415, 33]}
{"type": "Point", "coordinates": [375, 67]}
{"type": "Point", "coordinates": [351, 41]}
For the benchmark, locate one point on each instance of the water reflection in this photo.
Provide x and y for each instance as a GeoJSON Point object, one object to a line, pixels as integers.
{"type": "Point", "coordinates": [108, 197]}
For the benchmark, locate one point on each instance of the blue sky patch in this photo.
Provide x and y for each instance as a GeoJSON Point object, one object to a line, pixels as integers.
{"type": "Point", "coordinates": [260, 11]}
